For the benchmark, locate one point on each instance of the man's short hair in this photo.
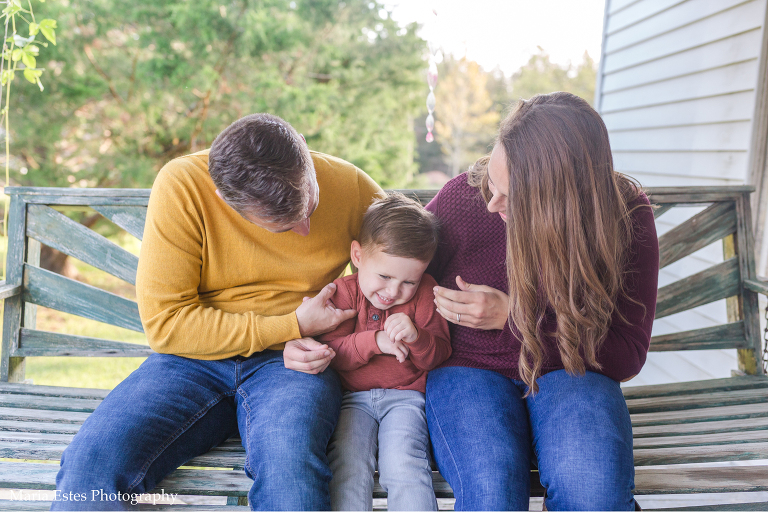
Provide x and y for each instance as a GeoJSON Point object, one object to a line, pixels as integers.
{"type": "Point", "coordinates": [262, 167]}
{"type": "Point", "coordinates": [400, 227]}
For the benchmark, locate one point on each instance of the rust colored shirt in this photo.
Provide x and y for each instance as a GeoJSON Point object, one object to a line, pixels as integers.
{"type": "Point", "coordinates": [360, 363]}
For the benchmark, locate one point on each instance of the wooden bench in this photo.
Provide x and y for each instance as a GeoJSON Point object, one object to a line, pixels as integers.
{"type": "Point", "coordinates": [674, 424]}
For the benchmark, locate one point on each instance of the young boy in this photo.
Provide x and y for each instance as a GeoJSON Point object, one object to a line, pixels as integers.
{"type": "Point", "coordinates": [383, 357]}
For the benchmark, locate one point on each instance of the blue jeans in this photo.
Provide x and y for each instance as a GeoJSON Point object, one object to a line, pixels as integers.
{"type": "Point", "coordinates": [172, 409]}
{"type": "Point", "coordinates": [485, 434]}
{"type": "Point", "coordinates": [393, 422]}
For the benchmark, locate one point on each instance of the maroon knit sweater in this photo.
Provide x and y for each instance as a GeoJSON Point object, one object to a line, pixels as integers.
{"type": "Point", "coordinates": [473, 245]}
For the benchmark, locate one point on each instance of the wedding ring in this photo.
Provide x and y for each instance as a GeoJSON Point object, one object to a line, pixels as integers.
{"type": "Point", "coordinates": [458, 318]}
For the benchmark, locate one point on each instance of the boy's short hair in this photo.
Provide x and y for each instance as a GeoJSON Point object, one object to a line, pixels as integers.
{"type": "Point", "coordinates": [400, 227]}
{"type": "Point", "coordinates": [263, 167]}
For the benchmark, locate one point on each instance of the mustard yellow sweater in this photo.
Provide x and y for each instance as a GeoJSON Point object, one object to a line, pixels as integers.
{"type": "Point", "coordinates": [211, 285]}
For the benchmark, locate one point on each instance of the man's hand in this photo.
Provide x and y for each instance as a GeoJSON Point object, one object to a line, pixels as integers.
{"type": "Point", "coordinates": [477, 306]}
{"type": "Point", "coordinates": [387, 346]}
{"type": "Point", "coordinates": [318, 315]}
{"type": "Point", "coordinates": [307, 355]}
{"type": "Point", "coordinates": [400, 328]}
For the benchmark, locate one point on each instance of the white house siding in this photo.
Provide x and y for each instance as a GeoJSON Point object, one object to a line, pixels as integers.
{"type": "Point", "coordinates": [676, 89]}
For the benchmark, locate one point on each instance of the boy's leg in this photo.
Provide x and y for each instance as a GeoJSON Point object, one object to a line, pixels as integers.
{"type": "Point", "coordinates": [582, 434]}
{"type": "Point", "coordinates": [169, 410]}
{"type": "Point", "coordinates": [352, 454]}
{"type": "Point", "coordinates": [286, 419]}
{"type": "Point", "coordinates": [479, 428]}
{"type": "Point", "coordinates": [404, 469]}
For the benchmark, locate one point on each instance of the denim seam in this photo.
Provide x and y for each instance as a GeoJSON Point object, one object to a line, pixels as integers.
{"type": "Point", "coordinates": [453, 459]}
{"type": "Point", "coordinates": [143, 471]}
{"type": "Point", "coordinates": [247, 444]}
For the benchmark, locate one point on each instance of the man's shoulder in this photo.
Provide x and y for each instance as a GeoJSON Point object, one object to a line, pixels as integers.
{"type": "Point", "coordinates": [192, 167]}
{"type": "Point", "coordinates": [324, 163]}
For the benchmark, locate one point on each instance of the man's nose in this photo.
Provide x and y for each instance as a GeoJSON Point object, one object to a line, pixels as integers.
{"type": "Point", "coordinates": [302, 227]}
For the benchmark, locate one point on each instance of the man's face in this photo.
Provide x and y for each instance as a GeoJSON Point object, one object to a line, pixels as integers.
{"type": "Point", "coordinates": [302, 228]}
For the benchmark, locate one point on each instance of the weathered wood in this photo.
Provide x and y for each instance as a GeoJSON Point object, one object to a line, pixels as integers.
{"type": "Point", "coordinates": [25, 414]}
{"type": "Point", "coordinates": [718, 337]}
{"type": "Point", "coordinates": [57, 292]}
{"type": "Point", "coordinates": [41, 506]}
{"type": "Point", "coordinates": [52, 391]}
{"type": "Point", "coordinates": [9, 290]}
{"type": "Point", "coordinates": [13, 310]}
{"type": "Point", "coordinates": [661, 210]}
{"type": "Point", "coordinates": [695, 480]}
{"type": "Point", "coordinates": [700, 386]}
{"type": "Point", "coordinates": [714, 223]}
{"type": "Point", "coordinates": [43, 343]}
{"type": "Point", "coordinates": [701, 454]}
{"type": "Point", "coordinates": [117, 193]}
{"type": "Point", "coordinates": [39, 426]}
{"type": "Point", "coordinates": [693, 191]}
{"type": "Point", "coordinates": [757, 285]}
{"type": "Point", "coordinates": [714, 283]}
{"type": "Point", "coordinates": [719, 439]}
{"type": "Point", "coordinates": [72, 238]}
{"type": "Point", "coordinates": [703, 427]}
{"type": "Point", "coordinates": [750, 358]}
{"type": "Point", "coordinates": [763, 505]}
{"type": "Point", "coordinates": [130, 218]}
{"type": "Point", "coordinates": [730, 412]}
{"type": "Point", "coordinates": [32, 438]}
{"type": "Point", "coordinates": [49, 403]}
{"type": "Point", "coordinates": [698, 401]}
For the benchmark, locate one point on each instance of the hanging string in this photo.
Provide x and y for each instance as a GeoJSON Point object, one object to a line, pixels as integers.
{"type": "Point", "coordinates": [435, 58]}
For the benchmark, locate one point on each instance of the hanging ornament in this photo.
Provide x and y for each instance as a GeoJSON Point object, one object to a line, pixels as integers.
{"type": "Point", "coordinates": [435, 57]}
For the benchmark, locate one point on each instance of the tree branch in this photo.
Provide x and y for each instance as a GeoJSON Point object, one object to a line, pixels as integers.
{"type": "Point", "coordinates": [89, 54]}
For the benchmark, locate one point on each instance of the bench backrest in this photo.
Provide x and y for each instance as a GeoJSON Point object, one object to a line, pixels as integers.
{"type": "Point", "coordinates": [35, 218]}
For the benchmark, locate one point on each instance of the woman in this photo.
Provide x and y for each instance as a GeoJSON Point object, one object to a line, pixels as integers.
{"type": "Point", "coordinates": [534, 375]}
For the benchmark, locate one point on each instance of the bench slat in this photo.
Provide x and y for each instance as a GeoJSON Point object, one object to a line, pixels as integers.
{"type": "Point", "coordinates": [51, 290]}
{"type": "Point", "coordinates": [735, 412]}
{"type": "Point", "coordinates": [39, 426]}
{"type": "Point", "coordinates": [711, 225]}
{"type": "Point", "coordinates": [751, 436]}
{"type": "Point", "coordinates": [17, 388]}
{"type": "Point", "coordinates": [720, 398]}
{"type": "Point", "coordinates": [49, 403]}
{"type": "Point", "coordinates": [44, 343]}
{"type": "Point", "coordinates": [8, 290]}
{"type": "Point", "coordinates": [697, 480]}
{"type": "Point", "coordinates": [22, 414]}
{"type": "Point", "coordinates": [44, 506]}
{"type": "Point", "coordinates": [72, 238]}
{"type": "Point", "coordinates": [703, 427]}
{"type": "Point", "coordinates": [699, 454]}
{"type": "Point", "coordinates": [698, 386]}
{"type": "Point", "coordinates": [130, 218]}
{"type": "Point", "coordinates": [717, 337]}
{"type": "Point", "coordinates": [717, 282]}
{"type": "Point", "coordinates": [662, 209]}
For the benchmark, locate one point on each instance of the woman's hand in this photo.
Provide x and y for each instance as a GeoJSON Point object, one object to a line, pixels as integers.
{"type": "Point", "coordinates": [475, 305]}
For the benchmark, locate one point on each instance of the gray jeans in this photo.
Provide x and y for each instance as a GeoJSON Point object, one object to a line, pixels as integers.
{"type": "Point", "coordinates": [391, 422]}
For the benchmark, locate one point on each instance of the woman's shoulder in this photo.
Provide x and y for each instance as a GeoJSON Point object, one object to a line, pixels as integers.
{"type": "Point", "coordinates": [457, 198]}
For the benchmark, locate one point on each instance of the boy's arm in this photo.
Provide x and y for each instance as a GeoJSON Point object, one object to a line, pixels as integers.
{"type": "Point", "coordinates": [353, 349]}
{"type": "Point", "coordinates": [433, 346]}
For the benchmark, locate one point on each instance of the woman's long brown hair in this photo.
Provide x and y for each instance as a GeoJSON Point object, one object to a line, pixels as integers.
{"type": "Point", "coordinates": [568, 229]}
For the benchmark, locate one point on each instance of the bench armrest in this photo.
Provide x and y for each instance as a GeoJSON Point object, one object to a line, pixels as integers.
{"type": "Point", "coordinates": [9, 290]}
{"type": "Point", "coordinates": [758, 285]}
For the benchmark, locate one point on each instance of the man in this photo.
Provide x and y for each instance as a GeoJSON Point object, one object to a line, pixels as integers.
{"type": "Point", "coordinates": [234, 243]}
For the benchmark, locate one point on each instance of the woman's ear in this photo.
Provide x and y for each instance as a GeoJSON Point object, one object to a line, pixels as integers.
{"type": "Point", "coordinates": [356, 253]}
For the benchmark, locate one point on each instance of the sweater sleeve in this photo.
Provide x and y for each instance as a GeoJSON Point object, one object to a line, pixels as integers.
{"type": "Point", "coordinates": [433, 346]}
{"type": "Point", "coordinates": [625, 347]}
{"type": "Point", "coordinates": [353, 349]}
{"type": "Point", "coordinates": [168, 278]}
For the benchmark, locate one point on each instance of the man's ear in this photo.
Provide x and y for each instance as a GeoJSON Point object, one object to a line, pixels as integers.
{"type": "Point", "coordinates": [219, 194]}
{"type": "Point", "coordinates": [356, 253]}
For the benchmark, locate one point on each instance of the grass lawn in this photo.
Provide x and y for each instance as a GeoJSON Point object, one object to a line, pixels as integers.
{"type": "Point", "coordinates": [87, 372]}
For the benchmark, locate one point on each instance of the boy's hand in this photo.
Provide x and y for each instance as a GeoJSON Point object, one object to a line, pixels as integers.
{"type": "Point", "coordinates": [400, 328]}
{"type": "Point", "coordinates": [387, 346]}
{"type": "Point", "coordinates": [318, 315]}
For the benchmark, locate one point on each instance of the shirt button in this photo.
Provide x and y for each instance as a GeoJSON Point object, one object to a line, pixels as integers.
{"type": "Point", "coordinates": [375, 317]}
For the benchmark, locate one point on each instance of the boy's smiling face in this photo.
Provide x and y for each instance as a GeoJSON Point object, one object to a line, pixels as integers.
{"type": "Point", "coordinates": [386, 280]}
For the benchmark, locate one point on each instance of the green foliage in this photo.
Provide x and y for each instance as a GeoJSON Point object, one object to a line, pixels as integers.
{"type": "Point", "coordinates": [139, 83]}
{"type": "Point", "coordinates": [541, 76]}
